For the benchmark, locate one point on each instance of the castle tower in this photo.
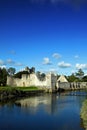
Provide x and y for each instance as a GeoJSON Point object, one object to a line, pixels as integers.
{"type": "Point", "coordinates": [51, 82]}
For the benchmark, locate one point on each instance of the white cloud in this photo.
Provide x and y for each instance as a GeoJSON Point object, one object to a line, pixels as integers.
{"type": "Point", "coordinates": [53, 70]}
{"type": "Point", "coordinates": [18, 64]}
{"type": "Point", "coordinates": [46, 61]}
{"type": "Point", "coordinates": [81, 66]}
{"type": "Point", "coordinates": [9, 61]}
{"type": "Point", "coordinates": [76, 56]}
{"type": "Point", "coordinates": [12, 52]}
{"type": "Point", "coordinates": [3, 66]}
{"type": "Point", "coordinates": [64, 65]}
{"type": "Point", "coordinates": [2, 63]}
{"type": "Point", "coordinates": [56, 55]}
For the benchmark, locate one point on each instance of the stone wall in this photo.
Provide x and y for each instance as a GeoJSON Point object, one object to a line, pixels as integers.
{"type": "Point", "coordinates": [32, 80]}
{"type": "Point", "coordinates": [50, 83]}
{"type": "Point", "coordinates": [72, 86]}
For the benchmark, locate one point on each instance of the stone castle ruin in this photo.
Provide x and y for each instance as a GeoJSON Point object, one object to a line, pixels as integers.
{"type": "Point", "coordinates": [48, 81]}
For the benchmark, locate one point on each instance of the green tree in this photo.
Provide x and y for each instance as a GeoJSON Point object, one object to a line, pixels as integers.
{"type": "Point", "coordinates": [19, 74]}
{"type": "Point", "coordinates": [27, 69]}
{"type": "Point", "coordinates": [0, 76]}
{"type": "Point", "coordinates": [72, 78]}
{"type": "Point", "coordinates": [3, 76]}
{"type": "Point", "coordinates": [11, 71]}
{"type": "Point", "coordinates": [41, 76]}
{"type": "Point", "coordinates": [84, 79]}
{"type": "Point", "coordinates": [80, 74]}
{"type": "Point", "coordinates": [38, 74]}
{"type": "Point", "coordinates": [32, 70]}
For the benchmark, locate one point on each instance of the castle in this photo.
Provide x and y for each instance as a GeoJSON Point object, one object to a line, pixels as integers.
{"type": "Point", "coordinates": [49, 82]}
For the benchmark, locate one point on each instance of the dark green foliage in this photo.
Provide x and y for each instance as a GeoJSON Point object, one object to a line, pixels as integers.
{"type": "Point", "coordinates": [41, 76]}
{"type": "Point", "coordinates": [3, 76]}
{"type": "Point", "coordinates": [38, 74]}
{"type": "Point", "coordinates": [58, 76]}
{"type": "Point", "coordinates": [80, 73]}
{"type": "Point", "coordinates": [72, 78]}
{"type": "Point", "coordinates": [84, 79]}
{"type": "Point", "coordinates": [26, 71]}
{"type": "Point", "coordinates": [19, 74]}
{"type": "Point", "coordinates": [32, 70]}
{"type": "Point", "coordinates": [11, 71]}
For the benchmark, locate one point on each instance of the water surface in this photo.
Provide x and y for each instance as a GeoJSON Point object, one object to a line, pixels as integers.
{"type": "Point", "coordinates": [44, 112]}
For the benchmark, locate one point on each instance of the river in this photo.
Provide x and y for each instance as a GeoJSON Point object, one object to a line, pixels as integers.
{"type": "Point", "coordinates": [43, 112]}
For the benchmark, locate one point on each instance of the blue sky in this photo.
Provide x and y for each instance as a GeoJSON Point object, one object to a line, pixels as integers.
{"type": "Point", "coordinates": [50, 35]}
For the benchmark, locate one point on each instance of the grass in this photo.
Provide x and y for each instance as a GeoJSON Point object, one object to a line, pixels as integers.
{"type": "Point", "coordinates": [31, 88]}
{"type": "Point", "coordinates": [84, 113]}
{"type": "Point", "coordinates": [8, 88]}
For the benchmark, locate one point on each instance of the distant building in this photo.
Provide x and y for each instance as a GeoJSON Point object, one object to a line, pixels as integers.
{"type": "Point", "coordinates": [62, 79]}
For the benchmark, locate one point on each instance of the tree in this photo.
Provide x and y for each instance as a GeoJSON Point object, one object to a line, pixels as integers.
{"type": "Point", "coordinates": [72, 78]}
{"type": "Point", "coordinates": [38, 74]}
{"type": "Point", "coordinates": [84, 79]}
{"type": "Point", "coordinates": [41, 76]}
{"type": "Point", "coordinates": [32, 70]}
{"type": "Point", "coordinates": [3, 76]}
{"type": "Point", "coordinates": [80, 74]}
{"type": "Point", "coordinates": [19, 74]}
{"type": "Point", "coordinates": [27, 69]}
{"type": "Point", "coordinates": [11, 71]}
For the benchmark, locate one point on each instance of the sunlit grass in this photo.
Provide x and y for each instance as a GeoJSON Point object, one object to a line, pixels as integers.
{"type": "Point", "coordinates": [84, 113]}
{"type": "Point", "coordinates": [8, 88]}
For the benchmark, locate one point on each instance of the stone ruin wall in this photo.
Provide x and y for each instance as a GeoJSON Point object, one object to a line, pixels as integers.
{"type": "Point", "coordinates": [49, 83]}
{"type": "Point", "coordinates": [32, 80]}
{"type": "Point", "coordinates": [72, 85]}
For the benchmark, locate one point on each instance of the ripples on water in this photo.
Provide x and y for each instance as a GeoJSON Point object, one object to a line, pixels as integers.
{"type": "Point", "coordinates": [45, 112]}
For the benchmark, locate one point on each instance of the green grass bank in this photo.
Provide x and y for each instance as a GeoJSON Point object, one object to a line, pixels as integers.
{"type": "Point", "coordinates": [8, 92]}
{"type": "Point", "coordinates": [83, 114]}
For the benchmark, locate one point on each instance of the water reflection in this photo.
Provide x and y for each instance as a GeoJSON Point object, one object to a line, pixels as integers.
{"type": "Point", "coordinates": [48, 111]}
{"type": "Point", "coordinates": [48, 102]}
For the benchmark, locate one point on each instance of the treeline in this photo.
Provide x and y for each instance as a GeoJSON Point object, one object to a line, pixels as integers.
{"type": "Point", "coordinates": [75, 77]}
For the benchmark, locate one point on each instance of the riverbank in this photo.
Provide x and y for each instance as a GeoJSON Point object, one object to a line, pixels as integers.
{"type": "Point", "coordinates": [83, 113]}
{"type": "Point", "coordinates": [7, 93]}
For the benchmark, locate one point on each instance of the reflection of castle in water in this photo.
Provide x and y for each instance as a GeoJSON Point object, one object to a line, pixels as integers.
{"type": "Point", "coordinates": [32, 104]}
{"type": "Point", "coordinates": [46, 103]}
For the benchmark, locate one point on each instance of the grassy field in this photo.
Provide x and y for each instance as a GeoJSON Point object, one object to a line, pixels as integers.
{"type": "Point", "coordinates": [8, 88]}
